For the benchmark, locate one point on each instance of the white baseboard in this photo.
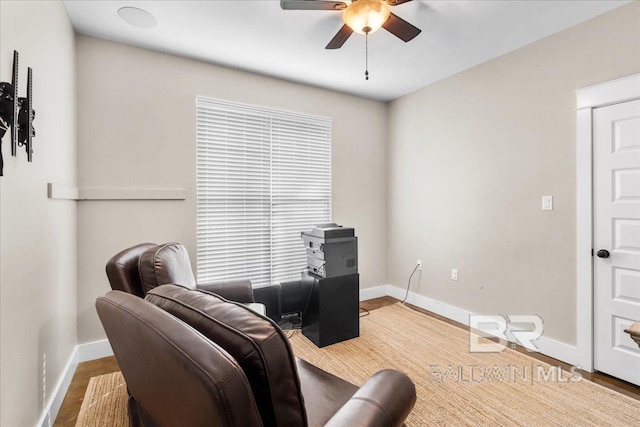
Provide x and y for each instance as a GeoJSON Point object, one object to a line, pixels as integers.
{"type": "Point", "coordinates": [50, 411]}
{"type": "Point", "coordinates": [376, 292]}
{"type": "Point", "coordinates": [80, 353]}
{"type": "Point", "coordinates": [561, 351]}
{"type": "Point", "coordinates": [547, 346]}
{"type": "Point", "coordinates": [449, 311]}
{"type": "Point", "coordinates": [94, 350]}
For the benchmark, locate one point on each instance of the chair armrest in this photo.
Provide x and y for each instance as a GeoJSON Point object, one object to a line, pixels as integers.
{"type": "Point", "coordinates": [233, 290]}
{"type": "Point", "coordinates": [385, 400]}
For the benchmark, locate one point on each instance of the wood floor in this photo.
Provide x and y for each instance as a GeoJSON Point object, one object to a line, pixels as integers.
{"type": "Point", "coordinates": [73, 400]}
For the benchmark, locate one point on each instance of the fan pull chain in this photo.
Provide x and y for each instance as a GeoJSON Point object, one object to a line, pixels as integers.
{"type": "Point", "coordinates": [366, 55]}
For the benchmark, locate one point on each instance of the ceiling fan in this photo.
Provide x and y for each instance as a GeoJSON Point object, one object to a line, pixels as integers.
{"type": "Point", "coordinates": [361, 16]}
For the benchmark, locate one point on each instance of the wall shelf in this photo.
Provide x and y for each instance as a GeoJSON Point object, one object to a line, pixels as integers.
{"type": "Point", "coordinates": [64, 192]}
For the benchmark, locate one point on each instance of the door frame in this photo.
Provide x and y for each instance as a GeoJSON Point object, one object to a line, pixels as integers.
{"type": "Point", "coordinates": [600, 95]}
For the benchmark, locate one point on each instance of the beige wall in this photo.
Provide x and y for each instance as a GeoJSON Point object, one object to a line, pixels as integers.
{"type": "Point", "coordinates": [37, 235]}
{"type": "Point", "coordinates": [136, 128]}
{"type": "Point", "coordinates": [469, 159]}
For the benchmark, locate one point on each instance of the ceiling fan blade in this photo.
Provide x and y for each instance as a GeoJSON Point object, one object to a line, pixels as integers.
{"type": "Point", "coordinates": [401, 28]}
{"type": "Point", "coordinates": [338, 40]}
{"type": "Point", "coordinates": [312, 5]}
{"type": "Point", "coordinates": [397, 2]}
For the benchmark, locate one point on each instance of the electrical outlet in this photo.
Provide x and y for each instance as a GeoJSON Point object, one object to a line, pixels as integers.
{"type": "Point", "coordinates": [419, 264]}
{"type": "Point", "coordinates": [454, 274]}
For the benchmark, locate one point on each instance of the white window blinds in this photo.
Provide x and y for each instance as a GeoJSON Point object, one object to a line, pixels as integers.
{"type": "Point", "coordinates": [262, 177]}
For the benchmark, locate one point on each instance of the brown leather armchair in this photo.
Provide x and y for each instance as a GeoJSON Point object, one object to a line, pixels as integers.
{"type": "Point", "coordinates": [175, 376]}
{"type": "Point", "coordinates": [191, 358]}
{"type": "Point", "coordinates": [140, 268]}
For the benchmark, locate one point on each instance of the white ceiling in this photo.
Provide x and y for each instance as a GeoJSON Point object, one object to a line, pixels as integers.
{"type": "Point", "coordinates": [260, 37]}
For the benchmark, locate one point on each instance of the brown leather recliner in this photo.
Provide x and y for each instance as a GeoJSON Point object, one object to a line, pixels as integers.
{"type": "Point", "coordinates": [175, 376]}
{"type": "Point", "coordinates": [140, 268]}
{"type": "Point", "coordinates": [287, 392]}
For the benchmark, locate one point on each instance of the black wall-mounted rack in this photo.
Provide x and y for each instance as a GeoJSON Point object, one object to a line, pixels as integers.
{"type": "Point", "coordinates": [17, 113]}
{"type": "Point", "coordinates": [26, 115]}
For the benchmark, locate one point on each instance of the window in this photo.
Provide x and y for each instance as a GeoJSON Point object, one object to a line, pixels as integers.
{"type": "Point", "coordinates": [263, 177]}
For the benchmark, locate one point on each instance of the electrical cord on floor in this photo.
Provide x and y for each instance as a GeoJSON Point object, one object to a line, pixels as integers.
{"type": "Point", "coordinates": [409, 283]}
{"type": "Point", "coordinates": [364, 313]}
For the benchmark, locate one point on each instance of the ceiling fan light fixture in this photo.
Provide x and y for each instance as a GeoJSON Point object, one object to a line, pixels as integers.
{"type": "Point", "coordinates": [366, 16]}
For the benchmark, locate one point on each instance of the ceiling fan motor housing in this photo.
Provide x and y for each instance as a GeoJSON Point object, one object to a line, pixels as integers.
{"type": "Point", "coordinates": [366, 16]}
{"type": "Point", "coordinates": [360, 16]}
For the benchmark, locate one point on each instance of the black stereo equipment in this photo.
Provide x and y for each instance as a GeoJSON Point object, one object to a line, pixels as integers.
{"type": "Point", "coordinates": [332, 250]}
{"type": "Point", "coordinates": [327, 294]}
{"type": "Point", "coordinates": [331, 284]}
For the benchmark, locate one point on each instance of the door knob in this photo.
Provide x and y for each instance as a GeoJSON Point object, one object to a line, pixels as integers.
{"type": "Point", "coordinates": [603, 253]}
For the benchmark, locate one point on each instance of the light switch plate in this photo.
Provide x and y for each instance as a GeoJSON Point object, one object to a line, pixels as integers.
{"type": "Point", "coordinates": [547, 203]}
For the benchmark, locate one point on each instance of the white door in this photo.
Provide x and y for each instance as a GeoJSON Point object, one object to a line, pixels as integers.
{"type": "Point", "coordinates": [616, 142]}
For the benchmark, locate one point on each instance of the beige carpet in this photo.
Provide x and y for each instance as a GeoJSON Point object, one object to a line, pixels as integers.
{"type": "Point", "coordinates": [104, 403]}
{"type": "Point", "coordinates": [454, 387]}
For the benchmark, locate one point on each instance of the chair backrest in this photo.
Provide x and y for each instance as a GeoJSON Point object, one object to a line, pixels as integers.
{"type": "Point", "coordinates": [258, 344]}
{"type": "Point", "coordinates": [122, 269]}
{"type": "Point", "coordinates": [175, 375]}
{"type": "Point", "coordinates": [140, 268]}
{"type": "Point", "coordinates": [165, 264]}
